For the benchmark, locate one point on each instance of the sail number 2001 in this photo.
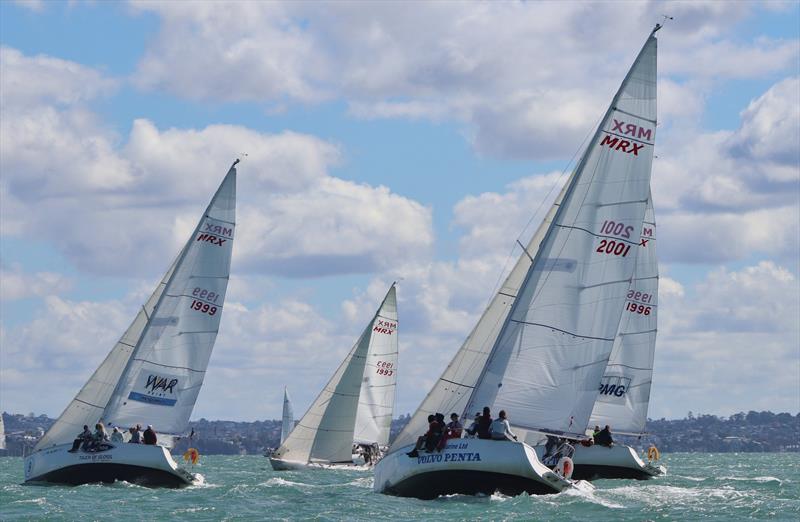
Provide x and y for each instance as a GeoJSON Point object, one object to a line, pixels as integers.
{"type": "Point", "coordinates": [618, 248]}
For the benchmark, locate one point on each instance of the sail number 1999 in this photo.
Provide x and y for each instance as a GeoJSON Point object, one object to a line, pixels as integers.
{"type": "Point", "coordinates": [618, 248]}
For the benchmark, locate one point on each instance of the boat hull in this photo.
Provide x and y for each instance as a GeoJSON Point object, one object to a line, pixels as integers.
{"type": "Point", "coordinates": [135, 463]}
{"type": "Point", "coordinates": [288, 465]}
{"type": "Point", "coordinates": [469, 467]}
{"type": "Point", "coordinates": [618, 461]}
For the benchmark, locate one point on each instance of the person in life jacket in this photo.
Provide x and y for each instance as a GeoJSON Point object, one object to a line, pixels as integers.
{"type": "Point", "coordinates": [485, 424]}
{"type": "Point", "coordinates": [430, 438]}
{"type": "Point", "coordinates": [603, 438]}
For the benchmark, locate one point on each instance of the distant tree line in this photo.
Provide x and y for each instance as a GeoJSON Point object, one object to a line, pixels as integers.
{"type": "Point", "coordinates": [741, 432]}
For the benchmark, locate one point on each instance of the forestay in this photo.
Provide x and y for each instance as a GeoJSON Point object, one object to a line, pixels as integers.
{"type": "Point", "coordinates": [287, 422]}
{"type": "Point", "coordinates": [376, 401]}
{"type": "Point", "coordinates": [453, 389]}
{"type": "Point", "coordinates": [325, 434]}
{"type": "Point", "coordinates": [548, 360]}
{"type": "Point", "coordinates": [624, 393]}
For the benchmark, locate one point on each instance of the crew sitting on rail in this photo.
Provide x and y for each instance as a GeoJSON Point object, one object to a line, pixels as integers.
{"type": "Point", "coordinates": [84, 437]}
{"type": "Point", "coordinates": [116, 435]}
{"type": "Point", "coordinates": [501, 429]}
{"type": "Point", "coordinates": [149, 435]}
{"type": "Point", "coordinates": [485, 424]}
{"type": "Point", "coordinates": [136, 435]}
{"type": "Point", "coordinates": [472, 431]}
{"type": "Point", "coordinates": [453, 431]}
{"type": "Point", "coordinates": [430, 438]}
{"type": "Point", "coordinates": [603, 438]}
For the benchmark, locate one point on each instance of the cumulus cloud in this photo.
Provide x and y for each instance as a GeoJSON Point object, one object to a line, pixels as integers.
{"type": "Point", "coordinates": [731, 334]}
{"type": "Point", "coordinates": [16, 284]}
{"type": "Point", "coordinates": [530, 90]}
{"type": "Point", "coordinates": [115, 205]}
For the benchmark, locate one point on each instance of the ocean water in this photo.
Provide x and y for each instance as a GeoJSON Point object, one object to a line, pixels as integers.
{"type": "Point", "coordinates": [697, 487]}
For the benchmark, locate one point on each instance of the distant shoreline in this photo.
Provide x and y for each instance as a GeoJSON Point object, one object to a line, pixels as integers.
{"type": "Point", "coordinates": [751, 432]}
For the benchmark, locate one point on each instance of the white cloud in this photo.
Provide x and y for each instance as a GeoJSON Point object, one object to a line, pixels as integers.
{"type": "Point", "coordinates": [730, 344]}
{"type": "Point", "coordinates": [16, 284]}
{"type": "Point", "coordinates": [116, 208]}
{"type": "Point", "coordinates": [529, 89]}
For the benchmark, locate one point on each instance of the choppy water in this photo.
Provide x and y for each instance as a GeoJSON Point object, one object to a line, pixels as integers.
{"type": "Point", "coordinates": [698, 486]}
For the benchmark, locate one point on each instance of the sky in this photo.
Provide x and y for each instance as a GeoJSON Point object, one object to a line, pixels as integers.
{"type": "Point", "coordinates": [384, 141]}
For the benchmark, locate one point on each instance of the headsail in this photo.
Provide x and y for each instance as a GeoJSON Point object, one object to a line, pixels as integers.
{"type": "Point", "coordinates": [326, 431]}
{"type": "Point", "coordinates": [287, 423]}
{"type": "Point", "coordinates": [624, 393]}
{"type": "Point", "coordinates": [376, 402]}
{"type": "Point", "coordinates": [154, 373]}
{"type": "Point", "coordinates": [551, 353]}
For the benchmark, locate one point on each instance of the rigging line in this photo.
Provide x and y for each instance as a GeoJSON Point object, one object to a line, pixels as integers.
{"type": "Point", "coordinates": [525, 250]}
{"type": "Point", "coordinates": [629, 367]}
{"type": "Point", "coordinates": [625, 334]}
{"type": "Point", "coordinates": [564, 331]}
{"type": "Point", "coordinates": [629, 138]}
{"type": "Point", "coordinates": [457, 383]}
{"type": "Point", "coordinates": [654, 122]}
{"type": "Point", "coordinates": [633, 243]}
{"type": "Point", "coordinates": [222, 220]}
{"type": "Point", "coordinates": [169, 366]}
{"type": "Point", "coordinates": [507, 295]}
{"type": "Point", "coordinates": [89, 403]}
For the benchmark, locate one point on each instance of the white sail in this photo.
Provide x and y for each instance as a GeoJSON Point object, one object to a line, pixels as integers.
{"type": "Point", "coordinates": [154, 372]}
{"type": "Point", "coordinates": [453, 389]}
{"type": "Point", "coordinates": [624, 392]}
{"type": "Point", "coordinates": [547, 363]}
{"type": "Point", "coordinates": [326, 432]}
{"type": "Point", "coordinates": [88, 405]}
{"type": "Point", "coordinates": [376, 402]}
{"type": "Point", "coordinates": [287, 423]}
{"type": "Point", "coordinates": [2, 433]}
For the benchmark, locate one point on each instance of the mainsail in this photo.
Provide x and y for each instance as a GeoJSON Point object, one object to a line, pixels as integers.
{"type": "Point", "coordinates": [624, 393]}
{"type": "Point", "coordinates": [549, 358]}
{"type": "Point", "coordinates": [154, 372]}
{"type": "Point", "coordinates": [287, 423]}
{"type": "Point", "coordinates": [2, 433]}
{"type": "Point", "coordinates": [327, 430]}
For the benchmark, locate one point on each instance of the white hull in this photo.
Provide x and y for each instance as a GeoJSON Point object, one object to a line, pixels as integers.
{"type": "Point", "coordinates": [288, 465]}
{"type": "Point", "coordinates": [135, 463]}
{"type": "Point", "coordinates": [618, 461]}
{"type": "Point", "coordinates": [468, 466]}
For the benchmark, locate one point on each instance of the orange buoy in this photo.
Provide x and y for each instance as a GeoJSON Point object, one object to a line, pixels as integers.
{"type": "Point", "coordinates": [191, 455]}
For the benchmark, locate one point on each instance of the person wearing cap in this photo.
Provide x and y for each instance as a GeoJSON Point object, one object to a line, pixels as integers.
{"type": "Point", "coordinates": [149, 435]}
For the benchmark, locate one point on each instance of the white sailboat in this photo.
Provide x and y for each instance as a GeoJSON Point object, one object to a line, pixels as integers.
{"type": "Point", "coordinates": [540, 348]}
{"type": "Point", "coordinates": [2, 436]}
{"type": "Point", "coordinates": [624, 391]}
{"type": "Point", "coordinates": [355, 406]}
{"type": "Point", "coordinates": [287, 422]}
{"type": "Point", "coordinates": [153, 374]}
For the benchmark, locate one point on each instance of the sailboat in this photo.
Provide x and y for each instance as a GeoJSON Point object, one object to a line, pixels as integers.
{"type": "Point", "coordinates": [540, 348]}
{"type": "Point", "coordinates": [356, 404]}
{"type": "Point", "coordinates": [3, 449]}
{"type": "Point", "coordinates": [287, 422]}
{"type": "Point", "coordinates": [624, 391]}
{"type": "Point", "coordinates": [152, 376]}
